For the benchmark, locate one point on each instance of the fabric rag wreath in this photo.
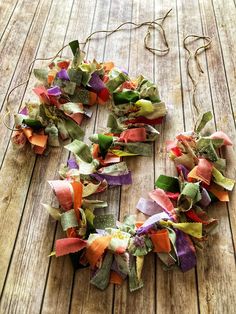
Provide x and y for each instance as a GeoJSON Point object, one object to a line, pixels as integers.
{"type": "Point", "coordinates": [177, 210]}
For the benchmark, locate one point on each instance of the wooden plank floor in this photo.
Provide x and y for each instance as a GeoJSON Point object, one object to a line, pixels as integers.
{"type": "Point", "coordinates": [30, 282]}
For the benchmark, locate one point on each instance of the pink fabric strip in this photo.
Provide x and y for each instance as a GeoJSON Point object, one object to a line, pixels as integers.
{"type": "Point", "coordinates": [63, 191]}
{"type": "Point", "coordinates": [221, 135]}
{"type": "Point", "coordinates": [204, 170]}
{"type": "Point", "coordinates": [159, 196]}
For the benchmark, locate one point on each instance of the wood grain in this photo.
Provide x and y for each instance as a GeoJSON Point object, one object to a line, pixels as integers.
{"type": "Point", "coordinates": [29, 281]}
{"type": "Point", "coordinates": [29, 263]}
{"type": "Point", "coordinates": [6, 10]}
{"type": "Point", "coordinates": [211, 94]}
{"type": "Point", "coordinates": [222, 18]}
{"type": "Point", "coordinates": [15, 188]}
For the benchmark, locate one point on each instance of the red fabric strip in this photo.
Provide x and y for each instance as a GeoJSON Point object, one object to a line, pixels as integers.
{"type": "Point", "coordinates": [133, 135]}
{"type": "Point", "coordinates": [69, 245]}
{"type": "Point", "coordinates": [144, 120]}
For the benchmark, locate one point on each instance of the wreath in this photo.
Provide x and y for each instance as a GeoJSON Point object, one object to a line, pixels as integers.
{"type": "Point", "coordinates": [177, 209]}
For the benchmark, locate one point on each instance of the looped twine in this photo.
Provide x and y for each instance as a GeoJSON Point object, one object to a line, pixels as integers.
{"type": "Point", "coordinates": [195, 56]}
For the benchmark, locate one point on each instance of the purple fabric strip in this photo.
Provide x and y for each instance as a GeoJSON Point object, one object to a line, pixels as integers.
{"type": "Point", "coordinates": [155, 218]}
{"type": "Point", "coordinates": [184, 170]}
{"type": "Point", "coordinates": [206, 200]}
{"type": "Point", "coordinates": [96, 83]}
{"type": "Point", "coordinates": [148, 207]}
{"type": "Point", "coordinates": [54, 91]}
{"type": "Point", "coordinates": [123, 70]}
{"type": "Point", "coordinates": [72, 164]}
{"type": "Point", "coordinates": [63, 75]}
{"type": "Point", "coordinates": [114, 180]}
{"type": "Point", "coordinates": [185, 251]}
{"type": "Point", "coordinates": [151, 221]}
{"type": "Point", "coordinates": [24, 111]}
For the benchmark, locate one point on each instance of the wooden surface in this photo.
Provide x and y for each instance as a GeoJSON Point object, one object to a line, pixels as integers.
{"type": "Point", "coordinates": [30, 282]}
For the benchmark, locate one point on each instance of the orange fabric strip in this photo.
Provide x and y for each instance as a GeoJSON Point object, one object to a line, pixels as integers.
{"type": "Point", "coordinates": [71, 232]}
{"type": "Point", "coordinates": [96, 249]}
{"type": "Point", "coordinates": [138, 224]}
{"type": "Point", "coordinates": [222, 195]}
{"type": "Point", "coordinates": [35, 139]}
{"type": "Point", "coordinates": [92, 98]}
{"type": "Point", "coordinates": [77, 117]}
{"type": "Point", "coordinates": [108, 66]}
{"type": "Point", "coordinates": [115, 278]}
{"type": "Point", "coordinates": [161, 241]}
{"type": "Point", "coordinates": [95, 151]}
{"type": "Point", "coordinates": [78, 191]}
{"type": "Point", "coordinates": [109, 159]}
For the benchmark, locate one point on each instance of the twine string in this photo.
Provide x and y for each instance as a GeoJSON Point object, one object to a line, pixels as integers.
{"type": "Point", "coordinates": [195, 55]}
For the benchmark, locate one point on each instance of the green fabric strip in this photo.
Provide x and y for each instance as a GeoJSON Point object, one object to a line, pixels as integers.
{"type": "Point", "coordinates": [122, 261]}
{"type": "Point", "coordinates": [206, 148]}
{"type": "Point", "coordinates": [69, 220]}
{"type": "Point", "coordinates": [219, 179]}
{"type": "Point", "coordinates": [220, 164]}
{"type": "Point", "coordinates": [75, 75]}
{"type": "Point", "coordinates": [206, 117]}
{"type": "Point", "coordinates": [166, 183]}
{"type": "Point", "coordinates": [92, 204]}
{"type": "Point", "coordinates": [145, 106]}
{"type": "Point", "coordinates": [114, 125]}
{"type": "Point", "coordinates": [80, 95]}
{"type": "Point", "coordinates": [41, 75]}
{"type": "Point", "coordinates": [125, 97]}
{"type": "Point", "coordinates": [52, 132]}
{"type": "Point", "coordinates": [74, 46]}
{"type": "Point", "coordinates": [116, 79]}
{"type": "Point", "coordinates": [74, 130]}
{"type": "Point", "coordinates": [102, 277]}
{"type": "Point", "coordinates": [54, 212]}
{"type": "Point", "coordinates": [104, 221]}
{"type": "Point", "coordinates": [192, 228]}
{"type": "Point", "coordinates": [134, 283]}
{"type": "Point", "coordinates": [80, 149]}
{"type": "Point", "coordinates": [142, 149]}
{"type": "Point", "coordinates": [192, 190]}
{"type": "Point", "coordinates": [34, 124]}
{"type": "Point", "coordinates": [148, 90]}
{"type": "Point", "coordinates": [104, 142]}
{"type": "Point", "coordinates": [190, 195]}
